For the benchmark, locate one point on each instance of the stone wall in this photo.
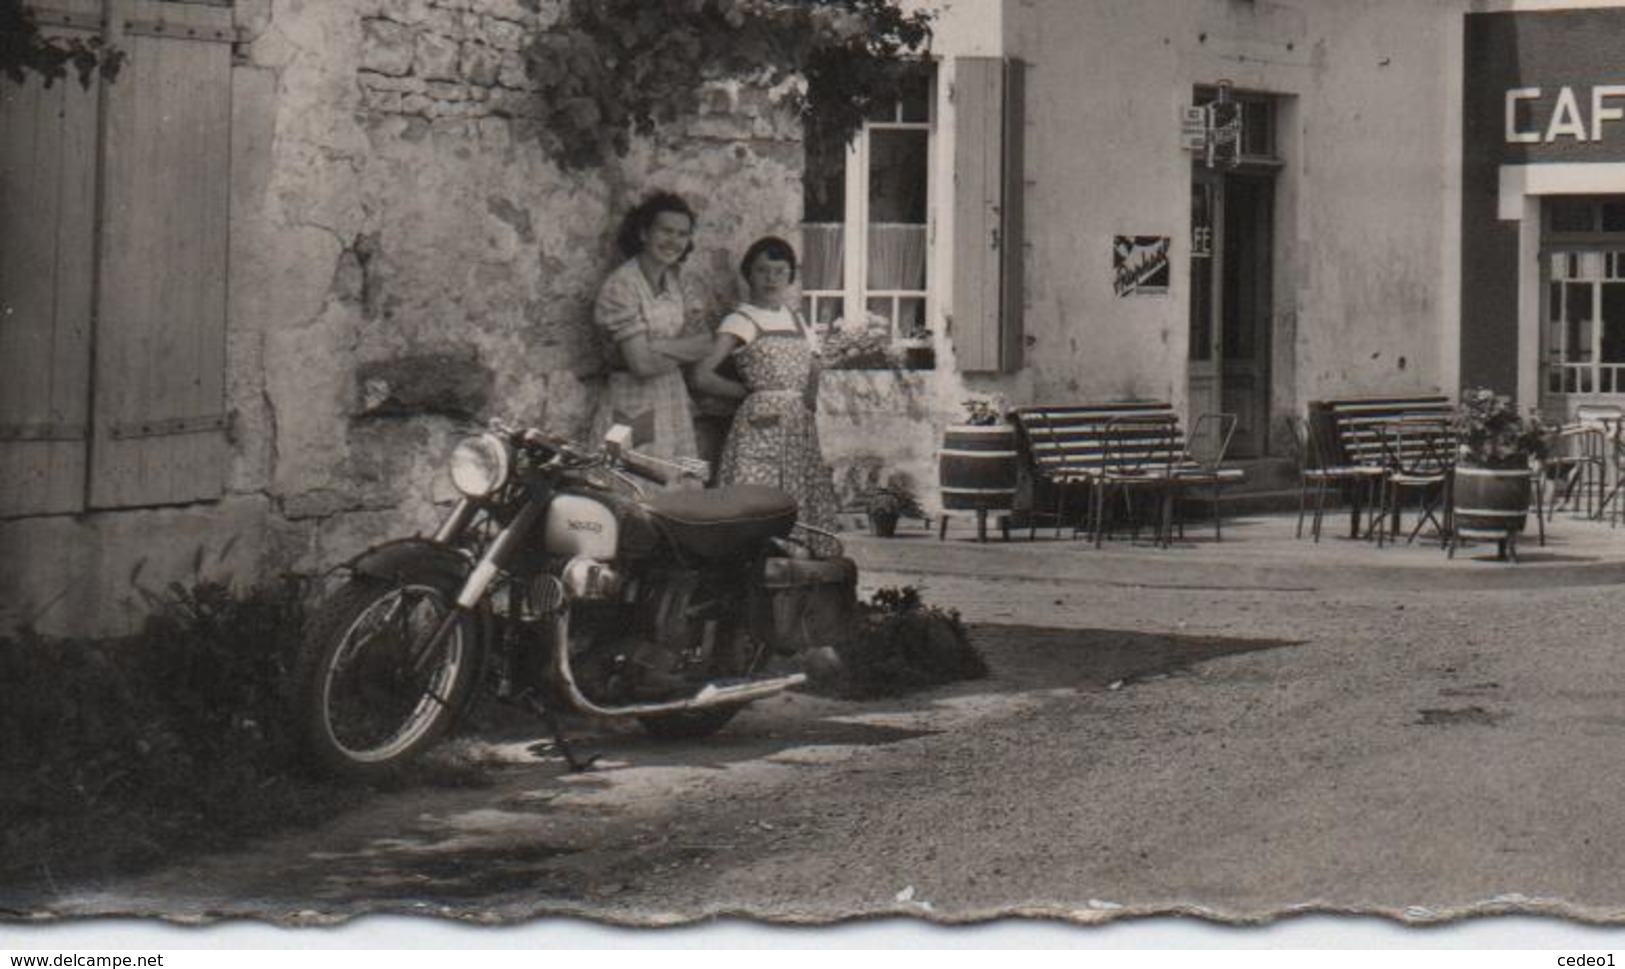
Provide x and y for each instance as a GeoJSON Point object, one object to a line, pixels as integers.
{"type": "Point", "coordinates": [405, 258]}
{"type": "Point", "coordinates": [462, 261]}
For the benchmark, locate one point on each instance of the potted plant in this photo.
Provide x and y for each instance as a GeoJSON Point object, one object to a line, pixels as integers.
{"type": "Point", "coordinates": [889, 502]}
{"type": "Point", "coordinates": [1493, 480]}
{"type": "Point", "coordinates": [978, 461]}
{"type": "Point", "coordinates": [919, 352]}
{"type": "Point", "coordinates": [847, 349]}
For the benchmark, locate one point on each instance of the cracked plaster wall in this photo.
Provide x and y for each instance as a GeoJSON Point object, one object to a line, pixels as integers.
{"type": "Point", "coordinates": [413, 217]}
{"type": "Point", "coordinates": [391, 215]}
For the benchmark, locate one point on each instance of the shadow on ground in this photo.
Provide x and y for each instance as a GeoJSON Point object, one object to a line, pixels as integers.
{"type": "Point", "coordinates": [1027, 657]}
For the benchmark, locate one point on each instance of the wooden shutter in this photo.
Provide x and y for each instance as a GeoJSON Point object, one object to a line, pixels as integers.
{"type": "Point", "coordinates": [159, 418]}
{"type": "Point", "coordinates": [1013, 232]}
{"type": "Point", "coordinates": [47, 224]}
{"type": "Point", "coordinates": [988, 173]}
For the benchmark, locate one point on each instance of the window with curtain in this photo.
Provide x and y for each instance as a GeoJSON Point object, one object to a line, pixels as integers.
{"type": "Point", "coordinates": [867, 226]}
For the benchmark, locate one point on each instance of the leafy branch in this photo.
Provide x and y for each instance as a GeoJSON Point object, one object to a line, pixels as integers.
{"type": "Point", "coordinates": [612, 69]}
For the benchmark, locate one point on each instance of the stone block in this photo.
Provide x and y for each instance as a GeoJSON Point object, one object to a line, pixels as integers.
{"type": "Point", "coordinates": [445, 21]}
{"type": "Point", "coordinates": [387, 47]}
{"type": "Point", "coordinates": [446, 91]}
{"type": "Point", "coordinates": [419, 104]}
{"type": "Point", "coordinates": [437, 57]}
{"type": "Point", "coordinates": [382, 102]}
{"type": "Point", "coordinates": [539, 12]}
{"type": "Point", "coordinates": [424, 383]}
{"type": "Point", "coordinates": [481, 64]}
{"type": "Point", "coordinates": [384, 82]}
{"type": "Point", "coordinates": [403, 11]}
{"type": "Point", "coordinates": [512, 72]}
{"type": "Point", "coordinates": [502, 34]}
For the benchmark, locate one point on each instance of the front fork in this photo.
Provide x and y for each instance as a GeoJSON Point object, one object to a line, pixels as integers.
{"type": "Point", "coordinates": [479, 580]}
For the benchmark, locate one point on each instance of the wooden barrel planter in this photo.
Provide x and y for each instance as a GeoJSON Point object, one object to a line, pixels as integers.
{"type": "Point", "coordinates": [1492, 503]}
{"type": "Point", "coordinates": [976, 469]}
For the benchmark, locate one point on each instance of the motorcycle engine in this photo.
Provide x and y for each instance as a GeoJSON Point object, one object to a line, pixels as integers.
{"type": "Point", "coordinates": [649, 643]}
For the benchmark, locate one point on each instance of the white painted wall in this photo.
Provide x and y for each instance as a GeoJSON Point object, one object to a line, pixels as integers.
{"type": "Point", "coordinates": [1366, 203]}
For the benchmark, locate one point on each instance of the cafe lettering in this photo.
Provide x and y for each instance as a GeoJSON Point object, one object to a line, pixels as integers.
{"type": "Point", "coordinates": [1541, 115]}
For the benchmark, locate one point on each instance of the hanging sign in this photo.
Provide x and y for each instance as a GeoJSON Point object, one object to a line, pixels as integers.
{"type": "Point", "coordinates": [1193, 128]}
{"type": "Point", "coordinates": [1224, 130]}
{"type": "Point", "coordinates": [1213, 130]}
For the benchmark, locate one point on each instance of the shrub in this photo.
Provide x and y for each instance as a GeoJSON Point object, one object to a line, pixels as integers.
{"type": "Point", "coordinates": [118, 753]}
{"type": "Point", "coordinates": [900, 644]}
{"type": "Point", "coordinates": [1491, 431]}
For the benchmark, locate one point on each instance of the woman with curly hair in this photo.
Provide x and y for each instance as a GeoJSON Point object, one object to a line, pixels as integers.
{"type": "Point", "coordinates": [643, 312]}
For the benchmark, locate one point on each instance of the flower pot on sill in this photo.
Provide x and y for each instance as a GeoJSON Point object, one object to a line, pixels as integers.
{"type": "Point", "coordinates": [919, 356]}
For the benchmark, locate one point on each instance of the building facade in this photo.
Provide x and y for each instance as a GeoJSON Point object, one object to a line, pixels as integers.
{"type": "Point", "coordinates": [253, 288]}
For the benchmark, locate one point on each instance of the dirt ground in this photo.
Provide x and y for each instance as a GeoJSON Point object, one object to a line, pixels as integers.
{"type": "Point", "coordinates": [1232, 754]}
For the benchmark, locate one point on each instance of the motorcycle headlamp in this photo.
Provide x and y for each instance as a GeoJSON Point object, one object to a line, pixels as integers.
{"type": "Point", "coordinates": [480, 465]}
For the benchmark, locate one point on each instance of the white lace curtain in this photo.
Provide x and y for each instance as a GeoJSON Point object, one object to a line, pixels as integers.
{"type": "Point", "coordinates": [896, 256]}
{"type": "Point", "coordinates": [824, 251]}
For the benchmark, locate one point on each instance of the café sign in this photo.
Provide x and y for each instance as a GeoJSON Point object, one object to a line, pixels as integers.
{"type": "Point", "coordinates": [1537, 116]}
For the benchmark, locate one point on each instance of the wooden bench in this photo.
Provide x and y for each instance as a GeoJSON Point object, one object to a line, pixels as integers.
{"type": "Point", "coordinates": [1352, 431]}
{"type": "Point", "coordinates": [1353, 425]}
{"type": "Point", "coordinates": [1092, 445]}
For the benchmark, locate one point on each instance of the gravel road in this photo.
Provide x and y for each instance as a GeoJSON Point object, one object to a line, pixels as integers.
{"type": "Point", "coordinates": [1232, 754]}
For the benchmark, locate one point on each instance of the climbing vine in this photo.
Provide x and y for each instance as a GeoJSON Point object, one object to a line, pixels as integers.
{"type": "Point", "coordinates": [24, 50]}
{"type": "Point", "coordinates": [612, 69]}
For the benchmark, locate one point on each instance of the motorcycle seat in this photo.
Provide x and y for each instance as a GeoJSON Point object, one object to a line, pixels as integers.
{"type": "Point", "coordinates": [723, 522]}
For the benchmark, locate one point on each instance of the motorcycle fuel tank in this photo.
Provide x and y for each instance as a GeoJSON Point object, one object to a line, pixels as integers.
{"type": "Point", "coordinates": [577, 525]}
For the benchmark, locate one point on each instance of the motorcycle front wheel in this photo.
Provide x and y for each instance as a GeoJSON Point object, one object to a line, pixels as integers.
{"type": "Point", "coordinates": [371, 696]}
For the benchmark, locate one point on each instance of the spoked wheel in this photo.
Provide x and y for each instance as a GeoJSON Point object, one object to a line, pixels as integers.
{"type": "Point", "coordinates": [373, 692]}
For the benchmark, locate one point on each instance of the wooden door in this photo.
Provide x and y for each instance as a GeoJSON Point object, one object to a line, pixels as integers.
{"type": "Point", "coordinates": [1230, 318]}
{"type": "Point", "coordinates": [47, 225]}
{"type": "Point", "coordinates": [1245, 306]}
{"type": "Point", "coordinates": [1206, 272]}
{"type": "Point", "coordinates": [113, 262]}
{"type": "Point", "coordinates": [159, 429]}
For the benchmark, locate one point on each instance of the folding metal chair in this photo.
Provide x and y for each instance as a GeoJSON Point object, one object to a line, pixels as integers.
{"type": "Point", "coordinates": [1202, 465]}
{"type": "Point", "coordinates": [1417, 455]}
{"type": "Point", "coordinates": [1139, 455]}
{"type": "Point", "coordinates": [1319, 476]}
{"type": "Point", "coordinates": [1576, 468]}
{"type": "Point", "coordinates": [1610, 420]}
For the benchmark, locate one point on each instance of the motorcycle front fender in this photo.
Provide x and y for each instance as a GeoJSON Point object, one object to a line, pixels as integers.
{"type": "Point", "coordinates": [414, 560]}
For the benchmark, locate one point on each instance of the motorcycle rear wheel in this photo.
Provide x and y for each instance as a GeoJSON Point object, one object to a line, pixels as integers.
{"type": "Point", "coordinates": [364, 710]}
{"type": "Point", "coordinates": [743, 658]}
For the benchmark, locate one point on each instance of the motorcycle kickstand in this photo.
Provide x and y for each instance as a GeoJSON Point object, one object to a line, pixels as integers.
{"type": "Point", "coordinates": [576, 764]}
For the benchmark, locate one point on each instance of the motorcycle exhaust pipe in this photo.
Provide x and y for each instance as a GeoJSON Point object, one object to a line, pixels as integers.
{"type": "Point", "coordinates": [709, 696]}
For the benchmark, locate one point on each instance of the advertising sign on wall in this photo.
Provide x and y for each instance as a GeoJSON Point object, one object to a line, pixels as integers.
{"type": "Point", "coordinates": [1140, 265]}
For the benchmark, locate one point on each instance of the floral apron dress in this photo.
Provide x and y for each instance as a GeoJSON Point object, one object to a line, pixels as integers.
{"type": "Point", "coordinates": [774, 438]}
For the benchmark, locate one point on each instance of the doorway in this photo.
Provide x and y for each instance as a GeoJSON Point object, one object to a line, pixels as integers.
{"type": "Point", "coordinates": [1232, 237]}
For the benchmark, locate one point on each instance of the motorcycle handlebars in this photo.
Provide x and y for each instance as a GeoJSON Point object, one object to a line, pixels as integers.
{"type": "Point", "coordinates": [617, 444]}
{"type": "Point", "coordinates": [617, 452]}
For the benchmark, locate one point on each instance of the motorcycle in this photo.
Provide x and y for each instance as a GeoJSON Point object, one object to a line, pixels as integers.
{"type": "Point", "coordinates": [561, 581]}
